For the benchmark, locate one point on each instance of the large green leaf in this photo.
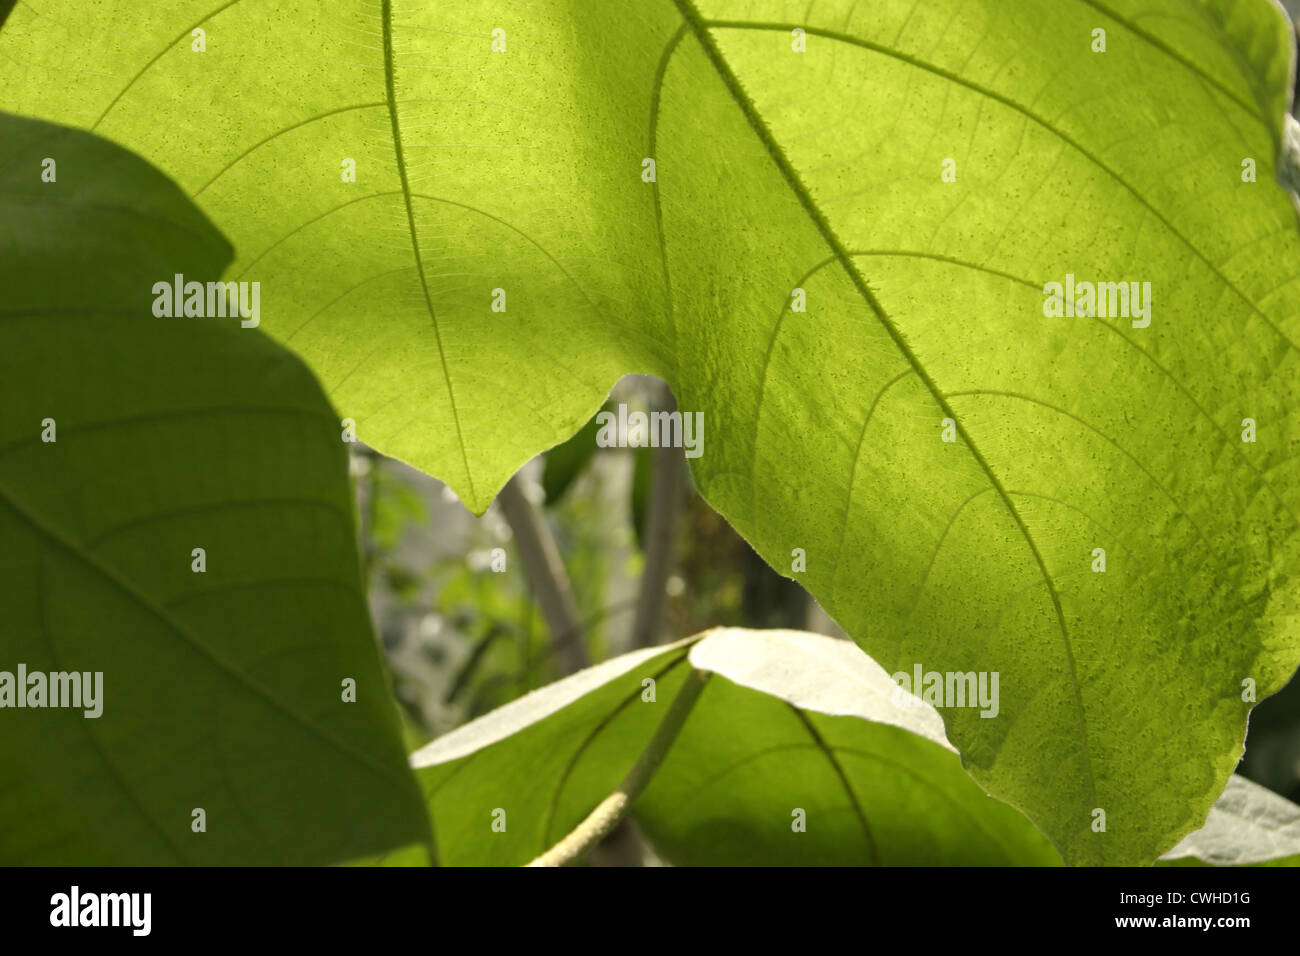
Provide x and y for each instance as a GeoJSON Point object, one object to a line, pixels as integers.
{"type": "Point", "coordinates": [789, 722]}
{"type": "Point", "coordinates": [221, 689]}
{"type": "Point", "coordinates": [820, 170]}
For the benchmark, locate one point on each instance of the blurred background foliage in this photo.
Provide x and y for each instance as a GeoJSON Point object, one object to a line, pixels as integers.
{"type": "Point", "coordinates": [463, 634]}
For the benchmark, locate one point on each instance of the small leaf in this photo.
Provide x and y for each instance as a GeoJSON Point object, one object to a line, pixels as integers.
{"type": "Point", "coordinates": [791, 721]}
{"type": "Point", "coordinates": [567, 460]}
{"type": "Point", "coordinates": [639, 491]}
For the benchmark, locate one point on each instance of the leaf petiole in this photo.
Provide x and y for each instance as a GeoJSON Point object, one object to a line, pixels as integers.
{"type": "Point", "coordinates": [614, 807]}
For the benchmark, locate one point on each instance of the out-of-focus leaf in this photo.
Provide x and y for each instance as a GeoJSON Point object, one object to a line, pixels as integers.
{"type": "Point", "coordinates": [642, 464]}
{"type": "Point", "coordinates": [222, 682]}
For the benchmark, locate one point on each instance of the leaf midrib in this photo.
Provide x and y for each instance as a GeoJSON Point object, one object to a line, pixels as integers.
{"type": "Point", "coordinates": [1029, 115]}
{"type": "Point", "coordinates": [391, 96]}
{"type": "Point", "coordinates": [747, 107]}
{"type": "Point", "coordinates": [53, 536]}
{"type": "Point", "coordinates": [113, 772]}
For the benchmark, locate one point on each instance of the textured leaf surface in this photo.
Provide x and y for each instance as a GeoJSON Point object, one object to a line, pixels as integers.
{"type": "Point", "coordinates": [822, 170]}
{"type": "Point", "coordinates": [221, 690]}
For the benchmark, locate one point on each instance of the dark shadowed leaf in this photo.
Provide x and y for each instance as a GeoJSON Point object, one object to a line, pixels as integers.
{"type": "Point", "coordinates": [222, 682]}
